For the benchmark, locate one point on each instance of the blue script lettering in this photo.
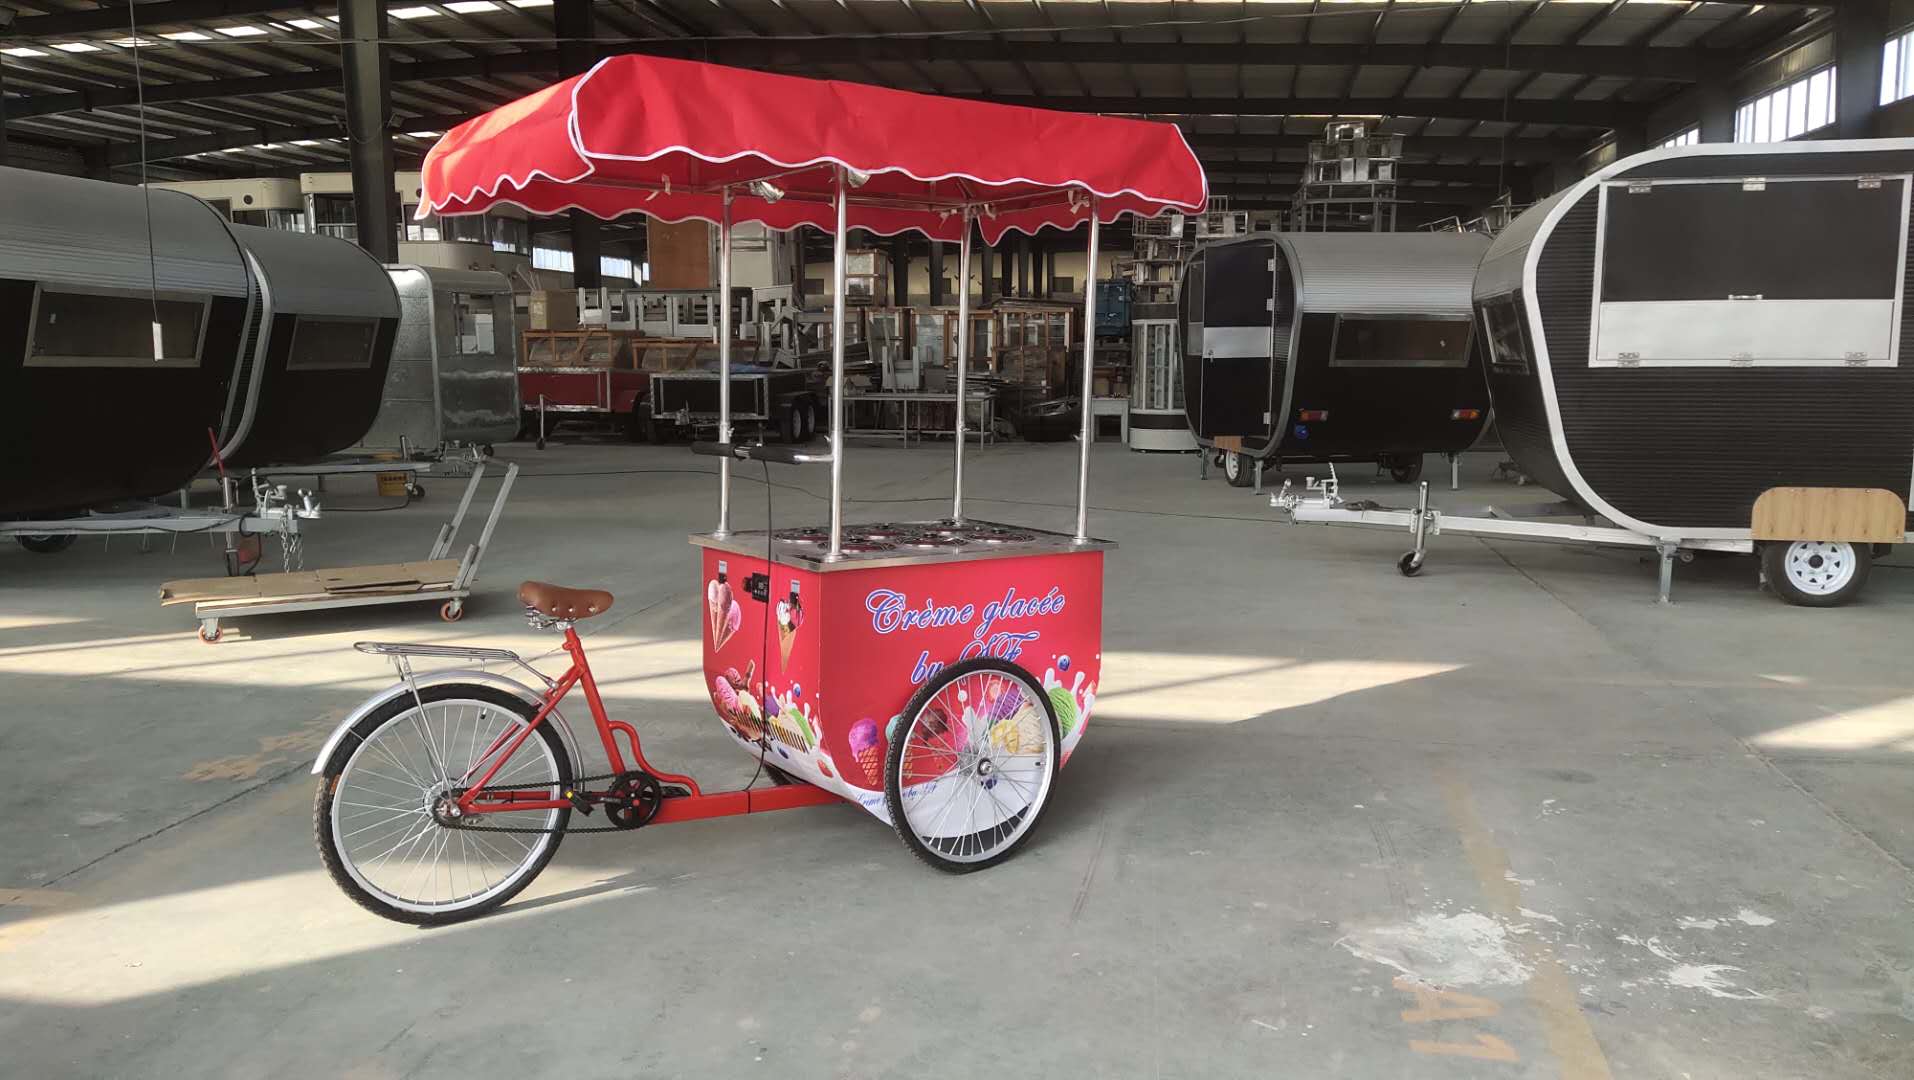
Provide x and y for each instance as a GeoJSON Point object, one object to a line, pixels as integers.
{"type": "Point", "coordinates": [1013, 606]}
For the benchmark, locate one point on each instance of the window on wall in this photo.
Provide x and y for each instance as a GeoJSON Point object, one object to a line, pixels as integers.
{"type": "Point", "coordinates": [611, 266]}
{"type": "Point", "coordinates": [1897, 68]}
{"type": "Point", "coordinates": [1801, 106]}
{"type": "Point", "coordinates": [551, 258]}
{"type": "Point", "coordinates": [1691, 137]}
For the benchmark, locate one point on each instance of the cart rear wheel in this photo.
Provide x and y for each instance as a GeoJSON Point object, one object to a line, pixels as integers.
{"type": "Point", "coordinates": [1238, 469]}
{"type": "Point", "coordinates": [970, 766]}
{"type": "Point", "coordinates": [1405, 470]}
{"type": "Point", "coordinates": [378, 814]}
{"type": "Point", "coordinates": [1816, 573]}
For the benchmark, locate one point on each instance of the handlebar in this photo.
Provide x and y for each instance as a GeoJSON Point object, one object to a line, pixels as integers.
{"type": "Point", "coordinates": [782, 454]}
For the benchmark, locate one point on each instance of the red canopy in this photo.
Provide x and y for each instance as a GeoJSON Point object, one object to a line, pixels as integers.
{"type": "Point", "coordinates": [641, 134]}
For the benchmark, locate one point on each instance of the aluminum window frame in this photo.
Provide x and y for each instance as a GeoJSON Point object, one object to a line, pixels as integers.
{"type": "Point", "coordinates": [61, 360]}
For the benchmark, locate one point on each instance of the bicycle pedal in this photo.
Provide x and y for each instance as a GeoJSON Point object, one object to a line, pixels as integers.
{"type": "Point", "coordinates": [579, 802]}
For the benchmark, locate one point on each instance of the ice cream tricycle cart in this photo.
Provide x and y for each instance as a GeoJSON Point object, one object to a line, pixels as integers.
{"type": "Point", "coordinates": [936, 673]}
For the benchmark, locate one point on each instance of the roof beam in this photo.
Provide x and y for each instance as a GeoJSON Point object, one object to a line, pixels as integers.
{"type": "Point", "coordinates": [1461, 145]}
{"type": "Point", "coordinates": [114, 16]}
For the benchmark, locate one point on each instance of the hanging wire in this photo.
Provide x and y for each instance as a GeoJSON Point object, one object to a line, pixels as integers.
{"type": "Point", "coordinates": [146, 189]}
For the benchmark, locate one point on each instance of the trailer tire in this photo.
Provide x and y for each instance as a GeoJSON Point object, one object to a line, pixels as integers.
{"type": "Point", "coordinates": [790, 424]}
{"type": "Point", "coordinates": [638, 422]}
{"type": "Point", "coordinates": [49, 544]}
{"type": "Point", "coordinates": [807, 412]}
{"type": "Point", "coordinates": [1405, 470]}
{"type": "Point", "coordinates": [1238, 469]}
{"type": "Point", "coordinates": [1816, 573]}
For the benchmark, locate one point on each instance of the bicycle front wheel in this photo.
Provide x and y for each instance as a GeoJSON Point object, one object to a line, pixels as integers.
{"type": "Point", "coordinates": [380, 814]}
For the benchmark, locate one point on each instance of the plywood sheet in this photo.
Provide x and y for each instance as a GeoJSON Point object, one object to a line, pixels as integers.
{"type": "Point", "coordinates": [680, 255]}
{"type": "Point", "coordinates": [1853, 515]}
{"type": "Point", "coordinates": [312, 584]}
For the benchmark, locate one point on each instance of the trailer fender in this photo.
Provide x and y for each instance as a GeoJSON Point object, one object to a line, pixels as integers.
{"type": "Point", "coordinates": [623, 400]}
{"type": "Point", "coordinates": [439, 678]}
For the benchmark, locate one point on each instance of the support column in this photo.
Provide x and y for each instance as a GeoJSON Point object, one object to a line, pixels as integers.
{"type": "Point", "coordinates": [1049, 271]}
{"type": "Point", "coordinates": [1006, 284]}
{"type": "Point", "coordinates": [375, 203]}
{"type": "Point", "coordinates": [1860, 33]}
{"type": "Point", "coordinates": [1715, 102]}
{"type": "Point", "coordinates": [3, 111]}
{"type": "Point", "coordinates": [989, 275]}
{"type": "Point", "coordinates": [937, 297]}
{"type": "Point", "coordinates": [573, 26]}
{"type": "Point", "coordinates": [1024, 285]}
{"type": "Point", "coordinates": [900, 271]}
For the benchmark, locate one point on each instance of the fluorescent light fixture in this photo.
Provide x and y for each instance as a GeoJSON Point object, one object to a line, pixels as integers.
{"type": "Point", "coordinates": [530, 3]}
{"type": "Point", "coordinates": [22, 53]}
{"type": "Point", "coordinates": [241, 31]}
{"type": "Point", "coordinates": [423, 134]}
{"type": "Point", "coordinates": [187, 35]}
{"type": "Point", "coordinates": [135, 43]}
{"type": "Point", "coordinates": [471, 7]}
{"type": "Point", "coordinates": [265, 146]}
{"type": "Point", "coordinates": [412, 13]}
{"type": "Point", "coordinates": [76, 47]}
{"type": "Point", "coordinates": [305, 24]}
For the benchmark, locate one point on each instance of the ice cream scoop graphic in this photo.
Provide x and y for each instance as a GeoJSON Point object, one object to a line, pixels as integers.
{"type": "Point", "coordinates": [867, 747]}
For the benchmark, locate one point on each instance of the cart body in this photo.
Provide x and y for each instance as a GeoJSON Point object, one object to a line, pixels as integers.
{"type": "Point", "coordinates": [822, 657]}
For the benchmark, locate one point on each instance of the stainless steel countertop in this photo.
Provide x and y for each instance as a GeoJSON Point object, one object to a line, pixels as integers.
{"type": "Point", "coordinates": [810, 556]}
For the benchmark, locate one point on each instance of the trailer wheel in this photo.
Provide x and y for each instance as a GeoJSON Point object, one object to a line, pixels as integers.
{"type": "Point", "coordinates": [1816, 573]}
{"type": "Point", "coordinates": [1238, 469]}
{"type": "Point", "coordinates": [807, 412]}
{"type": "Point", "coordinates": [1405, 470]}
{"type": "Point", "coordinates": [49, 544]}
{"type": "Point", "coordinates": [638, 422]}
{"type": "Point", "coordinates": [1409, 565]}
{"type": "Point", "coordinates": [790, 424]}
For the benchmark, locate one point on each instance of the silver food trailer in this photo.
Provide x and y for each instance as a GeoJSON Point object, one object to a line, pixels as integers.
{"type": "Point", "coordinates": [454, 376]}
{"type": "Point", "coordinates": [1702, 348]}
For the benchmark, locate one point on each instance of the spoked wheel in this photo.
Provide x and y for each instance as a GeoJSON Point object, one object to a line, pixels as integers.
{"type": "Point", "coordinates": [1817, 573]}
{"type": "Point", "coordinates": [382, 813]}
{"type": "Point", "coordinates": [969, 768]}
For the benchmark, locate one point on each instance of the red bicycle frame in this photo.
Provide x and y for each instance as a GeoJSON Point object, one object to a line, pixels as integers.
{"type": "Point", "coordinates": [478, 799]}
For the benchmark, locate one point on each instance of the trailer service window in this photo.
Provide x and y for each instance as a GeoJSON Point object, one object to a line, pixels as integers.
{"type": "Point", "coordinates": [77, 328]}
{"type": "Point", "coordinates": [331, 344]}
{"type": "Point", "coordinates": [1431, 341]}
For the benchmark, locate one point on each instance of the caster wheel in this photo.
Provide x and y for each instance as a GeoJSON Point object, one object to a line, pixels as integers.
{"type": "Point", "coordinates": [1409, 565]}
{"type": "Point", "coordinates": [415, 491]}
{"type": "Point", "coordinates": [486, 449]}
{"type": "Point", "coordinates": [540, 444]}
{"type": "Point", "coordinates": [209, 636]}
{"type": "Point", "coordinates": [452, 611]}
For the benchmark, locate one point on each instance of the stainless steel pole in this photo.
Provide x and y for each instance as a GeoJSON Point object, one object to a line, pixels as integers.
{"type": "Point", "coordinates": [962, 361]}
{"type": "Point", "coordinates": [724, 365]}
{"type": "Point", "coordinates": [1089, 331]}
{"type": "Point", "coordinates": [839, 257]}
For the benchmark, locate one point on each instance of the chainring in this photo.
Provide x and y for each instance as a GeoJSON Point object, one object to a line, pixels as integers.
{"type": "Point", "coordinates": [633, 799]}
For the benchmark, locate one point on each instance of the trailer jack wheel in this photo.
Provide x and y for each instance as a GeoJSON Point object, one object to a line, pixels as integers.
{"type": "Point", "coordinates": [1409, 565]}
{"type": "Point", "coordinates": [416, 491]}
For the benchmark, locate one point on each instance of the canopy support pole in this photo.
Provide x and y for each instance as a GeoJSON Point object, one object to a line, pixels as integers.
{"type": "Point", "coordinates": [1089, 332]}
{"type": "Point", "coordinates": [962, 361]}
{"type": "Point", "coordinates": [724, 366]}
{"type": "Point", "coordinates": [839, 257]}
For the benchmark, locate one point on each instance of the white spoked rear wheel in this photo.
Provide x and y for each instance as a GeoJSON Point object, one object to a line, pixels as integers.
{"type": "Point", "coordinates": [970, 764]}
{"type": "Point", "coordinates": [382, 816]}
{"type": "Point", "coordinates": [1817, 573]}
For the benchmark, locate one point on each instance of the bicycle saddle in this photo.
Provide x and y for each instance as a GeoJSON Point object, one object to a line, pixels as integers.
{"type": "Point", "coordinates": [558, 602]}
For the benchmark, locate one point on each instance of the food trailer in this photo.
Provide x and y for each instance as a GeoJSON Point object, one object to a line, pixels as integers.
{"type": "Point", "coordinates": [893, 665]}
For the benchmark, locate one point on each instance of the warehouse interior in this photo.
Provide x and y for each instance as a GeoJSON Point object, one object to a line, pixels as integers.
{"type": "Point", "coordinates": [1578, 745]}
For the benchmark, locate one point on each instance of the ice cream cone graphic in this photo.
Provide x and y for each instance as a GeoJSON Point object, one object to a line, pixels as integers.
{"type": "Point", "coordinates": [867, 747]}
{"type": "Point", "coordinates": [790, 617]}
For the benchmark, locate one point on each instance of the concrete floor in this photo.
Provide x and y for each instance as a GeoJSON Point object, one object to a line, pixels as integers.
{"type": "Point", "coordinates": [1508, 819]}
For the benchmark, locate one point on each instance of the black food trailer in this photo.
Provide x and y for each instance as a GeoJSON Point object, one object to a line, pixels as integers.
{"type": "Point", "coordinates": [312, 383]}
{"type": "Point", "coordinates": [123, 314]}
{"type": "Point", "coordinates": [1333, 347]}
{"type": "Point", "coordinates": [1701, 347]}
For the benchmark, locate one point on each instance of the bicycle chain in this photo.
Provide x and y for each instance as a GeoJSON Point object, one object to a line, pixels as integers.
{"type": "Point", "coordinates": [544, 832]}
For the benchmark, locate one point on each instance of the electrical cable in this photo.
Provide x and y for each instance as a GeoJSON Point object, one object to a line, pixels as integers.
{"type": "Point", "coordinates": [146, 189]}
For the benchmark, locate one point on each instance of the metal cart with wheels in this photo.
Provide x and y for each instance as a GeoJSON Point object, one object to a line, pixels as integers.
{"type": "Point", "coordinates": [937, 674]}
